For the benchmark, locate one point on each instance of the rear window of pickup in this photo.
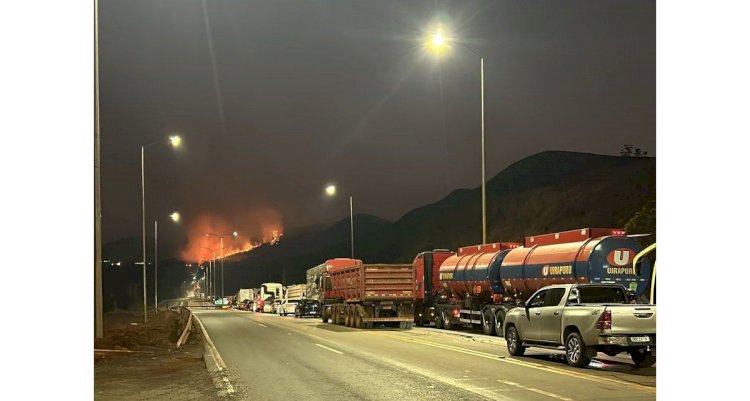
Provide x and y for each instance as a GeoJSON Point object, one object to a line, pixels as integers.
{"type": "Point", "coordinates": [602, 295]}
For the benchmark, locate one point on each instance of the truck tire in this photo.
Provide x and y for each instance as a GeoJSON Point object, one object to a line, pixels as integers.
{"type": "Point", "coordinates": [642, 359]}
{"type": "Point", "coordinates": [514, 342]}
{"type": "Point", "coordinates": [447, 321]}
{"type": "Point", "coordinates": [347, 316]}
{"type": "Point", "coordinates": [324, 316]}
{"type": "Point", "coordinates": [336, 315]}
{"type": "Point", "coordinates": [499, 320]}
{"type": "Point", "coordinates": [439, 320]}
{"type": "Point", "coordinates": [576, 352]}
{"type": "Point", "coordinates": [358, 323]}
{"type": "Point", "coordinates": [488, 322]}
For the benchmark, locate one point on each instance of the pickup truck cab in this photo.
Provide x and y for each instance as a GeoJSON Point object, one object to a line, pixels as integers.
{"type": "Point", "coordinates": [584, 319]}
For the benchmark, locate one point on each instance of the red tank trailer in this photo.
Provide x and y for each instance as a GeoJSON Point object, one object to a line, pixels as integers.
{"type": "Point", "coordinates": [480, 283]}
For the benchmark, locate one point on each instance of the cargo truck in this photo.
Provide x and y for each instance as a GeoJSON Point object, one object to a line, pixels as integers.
{"type": "Point", "coordinates": [480, 284]}
{"type": "Point", "coordinates": [358, 295]}
{"type": "Point", "coordinates": [427, 286]}
{"type": "Point", "coordinates": [267, 293]}
{"type": "Point", "coordinates": [244, 294]}
{"type": "Point", "coordinates": [292, 296]}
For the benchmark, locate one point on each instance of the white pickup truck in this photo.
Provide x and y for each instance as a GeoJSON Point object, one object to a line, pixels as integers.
{"type": "Point", "coordinates": [584, 319]}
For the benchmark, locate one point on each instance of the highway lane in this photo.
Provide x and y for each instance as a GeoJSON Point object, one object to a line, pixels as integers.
{"type": "Point", "coordinates": [270, 356]}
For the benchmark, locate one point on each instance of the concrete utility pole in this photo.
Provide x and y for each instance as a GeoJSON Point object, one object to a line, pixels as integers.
{"type": "Point", "coordinates": [156, 269]}
{"type": "Point", "coordinates": [351, 221]}
{"type": "Point", "coordinates": [143, 237]}
{"type": "Point", "coordinates": [98, 303]}
{"type": "Point", "coordinates": [484, 180]}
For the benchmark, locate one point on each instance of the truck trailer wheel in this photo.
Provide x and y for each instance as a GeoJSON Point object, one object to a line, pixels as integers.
{"type": "Point", "coordinates": [438, 321]}
{"type": "Point", "coordinates": [499, 320]}
{"type": "Point", "coordinates": [575, 351]}
{"type": "Point", "coordinates": [324, 316]}
{"type": "Point", "coordinates": [446, 320]}
{"type": "Point", "coordinates": [488, 322]}
{"type": "Point", "coordinates": [515, 345]}
{"type": "Point", "coordinates": [358, 323]}
{"type": "Point", "coordinates": [642, 358]}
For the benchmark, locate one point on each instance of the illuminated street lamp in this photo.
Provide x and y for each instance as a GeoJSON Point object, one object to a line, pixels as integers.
{"type": "Point", "coordinates": [211, 281]}
{"type": "Point", "coordinates": [438, 43]}
{"type": "Point", "coordinates": [175, 141]}
{"type": "Point", "coordinates": [221, 240]}
{"type": "Point", "coordinates": [331, 191]}
{"type": "Point", "coordinates": [175, 216]}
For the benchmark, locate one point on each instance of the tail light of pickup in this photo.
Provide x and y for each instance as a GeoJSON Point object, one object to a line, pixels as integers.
{"type": "Point", "coordinates": [605, 321]}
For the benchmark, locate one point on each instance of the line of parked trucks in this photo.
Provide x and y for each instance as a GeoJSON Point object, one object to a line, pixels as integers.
{"type": "Point", "coordinates": [578, 291]}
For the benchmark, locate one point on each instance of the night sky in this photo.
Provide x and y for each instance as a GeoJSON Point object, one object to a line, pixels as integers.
{"type": "Point", "coordinates": [305, 93]}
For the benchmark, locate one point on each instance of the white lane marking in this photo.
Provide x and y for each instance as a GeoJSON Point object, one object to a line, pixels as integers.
{"type": "Point", "coordinates": [330, 349]}
{"type": "Point", "coordinates": [261, 324]}
{"type": "Point", "coordinates": [536, 390]}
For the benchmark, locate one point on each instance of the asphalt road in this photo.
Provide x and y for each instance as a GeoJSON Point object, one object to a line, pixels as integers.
{"type": "Point", "coordinates": [271, 357]}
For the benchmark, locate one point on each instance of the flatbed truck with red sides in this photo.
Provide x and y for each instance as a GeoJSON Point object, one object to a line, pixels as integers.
{"type": "Point", "coordinates": [359, 295]}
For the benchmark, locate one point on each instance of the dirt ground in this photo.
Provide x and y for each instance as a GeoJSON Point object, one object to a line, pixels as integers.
{"type": "Point", "coordinates": [157, 370]}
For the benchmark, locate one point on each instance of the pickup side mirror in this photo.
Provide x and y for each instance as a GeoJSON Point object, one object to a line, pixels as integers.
{"type": "Point", "coordinates": [630, 294]}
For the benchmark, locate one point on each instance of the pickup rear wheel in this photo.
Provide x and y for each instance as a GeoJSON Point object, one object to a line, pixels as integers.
{"type": "Point", "coordinates": [575, 351]}
{"type": "Point", "coordinates": [488, 322]}
{"type": "Point", "coordinates": [515, 347]}
{"type": "Point", "coordinates": [642, 358]}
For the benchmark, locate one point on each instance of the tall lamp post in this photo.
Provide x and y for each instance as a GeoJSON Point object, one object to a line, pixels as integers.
{"type": "Point", "coordinates": [175, 142]}
{"type": "Point", "coordinates": [439, 43]}
{"type": "Point", "coordinates": [331, 191]}
{"type": "Point", "coordinates": [211, 272]}
{"type": "Point", "coordinates": [221, 241]}
{"type": "Point", "coordinates": [175, 216]}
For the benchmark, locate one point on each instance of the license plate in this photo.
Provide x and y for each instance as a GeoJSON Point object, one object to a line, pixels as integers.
{"type": "Point", "coordinates": [642, 339]}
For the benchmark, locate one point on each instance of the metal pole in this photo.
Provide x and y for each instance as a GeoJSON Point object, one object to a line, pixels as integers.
{"type": "Point", "coordinates": [213, 270]}
{"type": "Point", "coordinates": [484, 190]}
{"type": "Point", "coordinates": [143, 206]}
{"type": "Point", "coordinates": [221, 240]}
{"type": "Point", "coordinates": [98, 303]}
{"type": "Point", "coordinates": [351, 220]}
{"type": "Point", "coordinates": [156, 270]}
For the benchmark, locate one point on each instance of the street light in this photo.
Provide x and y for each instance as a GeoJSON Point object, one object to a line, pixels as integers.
{"type": "Point", "coordinates": [331, 191]}
{"type": "Point", "coordinates": [439, 43]}
{"type": "Point", "coordinates": [221, 240]}
{"type": "Point", "coordinates": [209, 271]}
{"type": "Point", "coordinates": [176, 218]}
{"type": "Point", "coordinates": [175, 141]}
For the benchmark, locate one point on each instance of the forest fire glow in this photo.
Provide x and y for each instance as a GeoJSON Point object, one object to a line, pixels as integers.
{"type": "Point", "coordinates": [252, 230]}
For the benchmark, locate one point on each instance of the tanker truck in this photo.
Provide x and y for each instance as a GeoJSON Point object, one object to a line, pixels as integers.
{"type": "Point", "coordinates": [480, 284]}
{"type": "Point", "coordinates": [358, 295]}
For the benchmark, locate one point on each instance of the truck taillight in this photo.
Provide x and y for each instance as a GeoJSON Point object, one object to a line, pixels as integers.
{"type": "Point", "coordinates": [456, 312]}
{"type": "Point", "coordinates": [605, 321]}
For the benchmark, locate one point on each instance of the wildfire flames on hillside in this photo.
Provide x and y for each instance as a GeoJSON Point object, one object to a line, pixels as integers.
{"type": "Point", "coordinates": [252, 231]}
